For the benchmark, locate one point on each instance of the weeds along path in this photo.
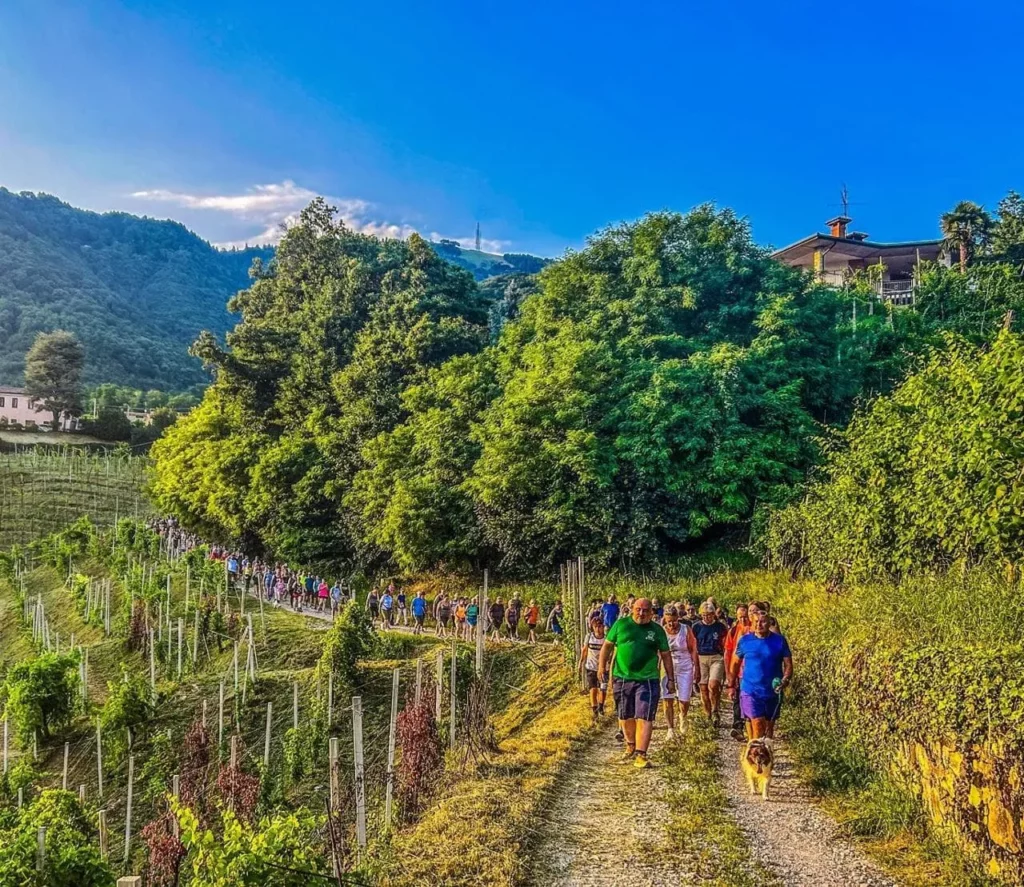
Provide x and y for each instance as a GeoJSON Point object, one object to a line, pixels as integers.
{"type": "Point", "coordinates": [789, 834]}
{"type": "Point", "coordinates": [608, 825]}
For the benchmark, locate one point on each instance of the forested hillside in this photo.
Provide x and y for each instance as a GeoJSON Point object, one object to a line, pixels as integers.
{"type": "Point", "coordinates": [136, 291]}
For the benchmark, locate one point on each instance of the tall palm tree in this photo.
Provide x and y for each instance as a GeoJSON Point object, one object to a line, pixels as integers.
{"type": "Point", "coordinates": [966, 227]}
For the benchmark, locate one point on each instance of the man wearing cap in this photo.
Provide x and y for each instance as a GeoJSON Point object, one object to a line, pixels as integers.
{"type": "Point", "coordinates": [638, 643]}
{"type": "Point", "coordinates": [710, 634]}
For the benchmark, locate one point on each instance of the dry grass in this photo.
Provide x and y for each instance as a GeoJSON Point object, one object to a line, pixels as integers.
{"type": "Point", "coordinates": [485, 814]}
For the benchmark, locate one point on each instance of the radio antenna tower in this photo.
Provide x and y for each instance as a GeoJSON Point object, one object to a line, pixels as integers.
{"type": "Point", "coordinates": [478, 237]}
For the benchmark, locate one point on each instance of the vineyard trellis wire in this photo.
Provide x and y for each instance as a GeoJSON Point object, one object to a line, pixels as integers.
{"type": "Point", "coordinates": [43, 489]}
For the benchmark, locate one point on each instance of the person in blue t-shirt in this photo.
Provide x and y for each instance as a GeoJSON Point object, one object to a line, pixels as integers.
{"type": "Point", "coordinates": [767, 669]}
{"type": "Point", "coordinates": [419, 611]}
{"type": "Point", "coordinates": [610, 611]}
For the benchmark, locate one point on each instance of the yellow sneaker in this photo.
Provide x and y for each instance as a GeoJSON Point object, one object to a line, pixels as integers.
{"type": "Point", "coordinates": [641, 762]}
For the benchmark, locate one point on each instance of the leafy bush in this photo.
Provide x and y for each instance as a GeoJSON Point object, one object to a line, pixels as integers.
{"type": "Point", "coordinates": [72, 857]}
{"type": "Point", "coordinates": [128, 708]}
{"type": "Point", "coordinates": [280, 851]}
{"type": "Point", "coordinates": [348, 640]}
{"type": "Point", "coordinates": [924, 478]}
{"type": "Point", "coordinates": [41, 694]}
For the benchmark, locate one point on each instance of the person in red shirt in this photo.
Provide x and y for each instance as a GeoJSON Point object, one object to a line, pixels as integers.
{"type": "Point", "coordinates": [532, 618]}
{"type": "Point", "coordinates": [743, 624]}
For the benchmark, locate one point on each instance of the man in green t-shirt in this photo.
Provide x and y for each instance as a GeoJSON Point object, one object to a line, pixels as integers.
{"type": "Point", "coordinates": [638, 643]}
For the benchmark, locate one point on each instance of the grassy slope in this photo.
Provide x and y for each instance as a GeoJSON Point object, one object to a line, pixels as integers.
{"type": "Point", "coordinates": [475, 831]}
{"type": "Point", "coordinates": [288, 651]}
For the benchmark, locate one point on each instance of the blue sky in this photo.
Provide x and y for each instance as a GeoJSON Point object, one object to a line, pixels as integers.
{"type": "Point", "coordinates": [544, 121]}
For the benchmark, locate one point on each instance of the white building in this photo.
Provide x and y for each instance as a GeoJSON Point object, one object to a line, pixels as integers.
{"type": "Point", "coordinates": [17, 408]}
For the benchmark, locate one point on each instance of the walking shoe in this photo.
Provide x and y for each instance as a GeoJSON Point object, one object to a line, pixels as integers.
{"type": "Point", "coordinates": [620, 737]}
{"type": "Point", "coordinates": [738, 734]}
{"type": "Point", "coordinates": [641, 762]}
{"type": "Point", "coordinates": [716, 719]}
{"type": "Point", "coordinates": [670, 735]}
{"type": "Point", "coordinates": [627, 757]}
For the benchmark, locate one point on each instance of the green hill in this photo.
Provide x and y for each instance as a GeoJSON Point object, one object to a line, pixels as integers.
{"type": "Point", "coordinates": [136, 291]}
{"type": "Point", "coordinates": [484, 265]}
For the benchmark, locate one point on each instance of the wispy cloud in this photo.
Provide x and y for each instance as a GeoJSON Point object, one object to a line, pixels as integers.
{"type": "Point", "coordinates": [272, 209]}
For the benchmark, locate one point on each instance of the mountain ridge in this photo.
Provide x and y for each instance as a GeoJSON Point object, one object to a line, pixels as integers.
{"type": "Point", "coordinates": [135, 289]}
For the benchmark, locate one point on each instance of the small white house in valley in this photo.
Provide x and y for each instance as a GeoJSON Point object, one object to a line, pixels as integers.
{"type": "Point", "coordinates": [17, 408]}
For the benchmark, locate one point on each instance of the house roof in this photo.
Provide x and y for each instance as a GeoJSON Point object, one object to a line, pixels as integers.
{"type": "Point", "coordinates": [9, 389]}
{"type": "Point", "coordinates": [863, 249]}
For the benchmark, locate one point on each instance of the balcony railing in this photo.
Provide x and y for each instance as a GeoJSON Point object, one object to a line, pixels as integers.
{"type": "Point", "coordinates": [899, 292]}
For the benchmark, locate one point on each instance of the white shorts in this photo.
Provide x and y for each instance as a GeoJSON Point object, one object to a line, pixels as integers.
{"type": "Point", "coordinates": [684, 686]}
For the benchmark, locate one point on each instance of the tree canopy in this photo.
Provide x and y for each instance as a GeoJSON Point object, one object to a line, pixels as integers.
{"type": "Point", "coordinates": [331, 334]}
{"type": "Point", "coordinates": [655, 387]}
{"type": "Point", "coordinates": [925, 477]}
{"type": "Point", "coordinates": [53, 374]}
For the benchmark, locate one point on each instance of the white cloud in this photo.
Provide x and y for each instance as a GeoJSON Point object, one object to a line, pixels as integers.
{"type": "Point", "coordinates": [273, 208]}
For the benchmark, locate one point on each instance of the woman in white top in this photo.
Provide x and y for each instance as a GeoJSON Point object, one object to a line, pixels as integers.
{"type": "Point", "coordinates": [683, 648]}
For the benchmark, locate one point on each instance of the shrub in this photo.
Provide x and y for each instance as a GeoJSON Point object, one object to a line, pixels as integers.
{"type": "Point", "coordinates": [349, 639]}
{"type": "Point", "coordinates": [129, 706]}
{"type": "Point", "coordinates": [41, 693]}
{"type": "Point", "coordinates": [72, 858]}
{"type": "Point", "coordinates": [421, 760]}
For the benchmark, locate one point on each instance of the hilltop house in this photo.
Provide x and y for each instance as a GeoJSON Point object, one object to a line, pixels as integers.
{"type": "Point", "coordinates": [835, 256]}
{"type": "Point", "coordinates": [17, 408]}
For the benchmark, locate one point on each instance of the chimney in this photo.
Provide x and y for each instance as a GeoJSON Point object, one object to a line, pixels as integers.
{"type": "Point", "coordinates": [837, 226]}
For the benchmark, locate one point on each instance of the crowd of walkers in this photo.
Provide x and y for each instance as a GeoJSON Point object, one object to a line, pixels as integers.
{"type": "Point", "coordinates": [655, 653]}
{"type": "Point", "coordinates": [647, 651]}
{"type": "Point", "coordinates": [276, 582]}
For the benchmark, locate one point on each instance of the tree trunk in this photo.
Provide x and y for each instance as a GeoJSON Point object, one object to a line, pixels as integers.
{"type": "Point", "coordinates": [963, 257]}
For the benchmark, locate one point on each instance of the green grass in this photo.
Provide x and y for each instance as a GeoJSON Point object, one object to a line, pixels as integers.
{"type": "Point", "coordinates": [700, 818]}
{"type": "Point", "coordinates": [882, 816]}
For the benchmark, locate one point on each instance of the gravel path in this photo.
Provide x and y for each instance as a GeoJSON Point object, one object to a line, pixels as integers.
{"type": "Point", "coordinates": [607, 826]}
{"type": "Point", "coordinates": [789, 833]}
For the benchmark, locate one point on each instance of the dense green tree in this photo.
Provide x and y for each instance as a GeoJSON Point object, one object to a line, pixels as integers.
{"type": "Point", "coordinates": [1008, 231]}
{"type": "Point", "coordinates": [111, 424]}
{"type": "Point", "coordinates": [53, 374]}
{"type": "Point", "coordinates": [412, 500]}
{"type": "Point", "coordinates": [331, 333]}
{"type": "Point", "coordinates": [966, 227]}
{"type": "Point", "coordinates": [654, 389]}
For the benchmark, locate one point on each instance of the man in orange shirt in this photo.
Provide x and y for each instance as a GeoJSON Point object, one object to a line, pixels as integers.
{"type": "Point", "coordinates": [742, 625]}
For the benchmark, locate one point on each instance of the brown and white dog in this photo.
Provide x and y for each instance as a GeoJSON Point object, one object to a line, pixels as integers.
{"type": "Point", "coordinates": [757, 760]}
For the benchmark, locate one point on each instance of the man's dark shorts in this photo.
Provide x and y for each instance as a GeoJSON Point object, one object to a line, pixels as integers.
{"type": "Point", "coordinates": [636, 699]}
{"type": "Point", "coordinates": [419, 620]}
{"type": "Point", "coordinates": [592, 682]}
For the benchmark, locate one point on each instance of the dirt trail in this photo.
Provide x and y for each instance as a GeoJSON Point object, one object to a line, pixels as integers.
{"type": "Point", "coordinates": [607, 825]}
{"type": "Point", "coordinates": [790, 834]}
